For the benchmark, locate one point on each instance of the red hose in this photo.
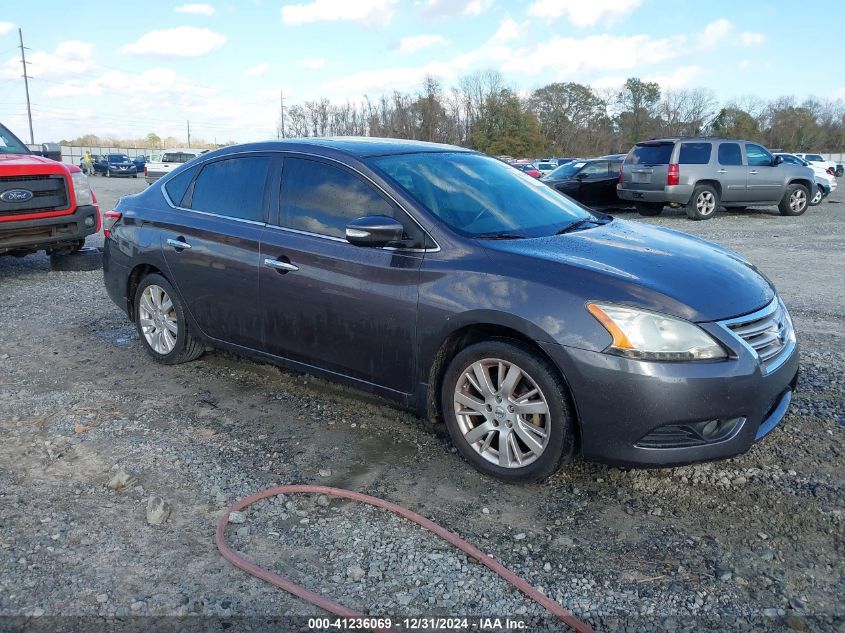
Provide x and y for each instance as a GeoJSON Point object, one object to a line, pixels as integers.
{"type": "Point", "coordinates": [338, 609]}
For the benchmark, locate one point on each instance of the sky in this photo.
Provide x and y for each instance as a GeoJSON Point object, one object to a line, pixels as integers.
{"type": "Point", "coordinates": [130, 68]}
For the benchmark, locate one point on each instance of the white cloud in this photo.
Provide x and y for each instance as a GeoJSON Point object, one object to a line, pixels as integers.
{"type": "Point", "coordinates": [69, 57]}
{"type": "Point", "coordinates": [311, 63]}
{"type": "Point", "coordinates": [6, 27]}
{"type": "Point", "coordinates": [508, 30]}
{"type": "Point", "coordinates": [752, 39]}
{"type": "Point", "coordinates": [679, 78]}
{"type": "Point", "coordinates": [715, 32]}
{"type": "Point", "coordinates": [434, 9]}
{"type": "Point", "coordinates": [196, 9]}
{"type": "Point", "coordinates": [182, 41]}
{"type": "Point", "coordinates": [583, 13]}
{"type": "Point", "coordinates": [369, 12]}
{"type": "Point", "coordinates": [416, 43]}
{"type": "Point", "coordinates": [258, 70]}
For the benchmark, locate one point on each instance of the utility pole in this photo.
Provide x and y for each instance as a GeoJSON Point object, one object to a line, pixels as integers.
{"type": "Point", "coordinates": [189, 135]}
{"type": "Point", "coordinates": [26, 84]}
{"type": "Point", "coordinates": [282, 104]}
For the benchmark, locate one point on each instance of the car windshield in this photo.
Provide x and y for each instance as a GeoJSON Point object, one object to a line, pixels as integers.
{"type": "Point", "coordinates": [479, 196]}
{"type": "Point", "coordinates": [567, 170]}
{"type": "Point", "coordinates": [118, 158]}
{"type": "Point", "coordinates": [10, 144]}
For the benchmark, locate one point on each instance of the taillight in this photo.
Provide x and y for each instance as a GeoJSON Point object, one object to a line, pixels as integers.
{"type": "Point", "coordinates": [145, 170]}
{"type": "Point", "coordinates": [109, 220]}
{"type": "Point", "coordinates": [831, 171]}
{"type": "Point", "coordinates": [621, 169]}
{"type": "Point", "coordinates": [673, 177]}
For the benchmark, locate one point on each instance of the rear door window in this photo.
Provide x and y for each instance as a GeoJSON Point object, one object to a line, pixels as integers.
{"type": "Point", "coordinates": [234, 187]}
{"type": "Point", "coordinates": [650, 154]}
{"type": "Point", "coordinates": [730, 154]}
{"type": "Point", "coordinates": [758, 156]}
{"type": "Point", "coordinates": [695, 153]}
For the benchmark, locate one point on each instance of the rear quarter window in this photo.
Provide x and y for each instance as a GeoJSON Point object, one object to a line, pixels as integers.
{"type": "Point", "coordinates": [177, 186]}
{"type": "Point", "coordinates": [651, 154]}
{"type": "Point", "coordinates": [695, 153]}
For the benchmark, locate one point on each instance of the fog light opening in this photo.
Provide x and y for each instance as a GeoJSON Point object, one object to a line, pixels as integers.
{"type": "Point", "coordinates": [89, 221]}
{"type": "Point", "coordinates": [710, 429]}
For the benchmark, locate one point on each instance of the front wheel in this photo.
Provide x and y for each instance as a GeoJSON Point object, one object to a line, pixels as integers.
{"type": "Point", "coordinates": [795, 200]}
{"type": "Point", "coordinates": [160, 319]}
{"type": "Point", "coordinates": [507, 411]}
{"type": "Point", "coordinates": [703, 203]}
{"type": "Point", "coordinates": [649, 209]}
{"type": "Point", "coordinates": [816, 199]}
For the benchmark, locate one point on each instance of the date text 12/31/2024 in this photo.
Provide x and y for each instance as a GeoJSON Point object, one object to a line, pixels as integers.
{"type": "Point", "coordinates": [418, 624]}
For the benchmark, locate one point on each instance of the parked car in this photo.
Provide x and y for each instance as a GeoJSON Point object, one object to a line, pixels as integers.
{"type": "Point", "coordinates": [825, 181]}
{"type": "Point", "coordinates": [45, 205]}
{"type": "Point", "coordinates": [140, 163]}
{"type": "Point", "coordinates": [441, 279]}
{"type": "Point", "coordinates": [115, 165]}
{"type": "Point", "coordinates": [164, 162]}
{"type": "Point", "coordinates": [839, 171]}
{"type": "Point", "coordinates": [590, 182]}
{"type": "Point", "coordinates": [528, 168]}
{"type": "Point", "coordinates": [703, 173]}
{"type": "Point", "coordinates": [818, 159]}
{"type": "Point", "coordinates": [545, 168]}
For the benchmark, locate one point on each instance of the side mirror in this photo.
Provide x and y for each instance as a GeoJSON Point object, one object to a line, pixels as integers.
{"type": "Point", "coordinates": [374, 230]}
{"type": "Point", "coordinates": [778, 160]}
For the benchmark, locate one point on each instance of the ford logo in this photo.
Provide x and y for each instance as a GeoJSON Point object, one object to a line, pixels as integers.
{"type": "Point", "coordinates": [16, 195]}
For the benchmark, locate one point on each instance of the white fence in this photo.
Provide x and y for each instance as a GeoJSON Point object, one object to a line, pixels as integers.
{"type": "Point", "coordinates": [836, 158]}
{"type": "Point", "coordinates": [73, 154]}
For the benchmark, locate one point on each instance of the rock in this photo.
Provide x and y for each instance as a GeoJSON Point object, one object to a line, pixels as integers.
{"type": "Point", "coordinates": [138, 605]}
{"type": "Point", "coordinates": [237, 517]}
{"type": "Point", "coordinates": [724, 574]}
{"type": "Point", "coordinates": [797, 623]}
{"type": "Point", "coordinates": [37, 612]}
{"type": "Point", "coordinates": [354, 573]}
{"type": "Point", "coordinates": [120, 480]}
{"type": "Point", "coordinates": [324, 472]}
{"type": "Point", "coordinates": [797, 603]}
{"type": "Point", "coordinates": [323, 501]}
{"type": "Point", "coordinates": [158, 510]}
{"type": "Point", "coordinates": [770, 613]}
{"type": "Point", "coordinates": [485, 510]}
{"type": "Point", "coordinates": [739, 481]}
{"type": "Point", "coordinates": [242, 532]}
{"type": "Point", "coordinates": [519, 537]}
{"type": "Point", "coordinates": [102, 598]}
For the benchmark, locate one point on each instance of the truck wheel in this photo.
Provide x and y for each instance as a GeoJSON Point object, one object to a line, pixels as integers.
{"type": "Point", "coordinates": [816, 199]}
{"type": "Point", "coordinates": [85, 259]}
{"type": "Point", "coordinates": [649, 209]}
{"type": "Point", "coordinates": [703, 203]}
{"type": "Point", "coordinates": [794, 201]}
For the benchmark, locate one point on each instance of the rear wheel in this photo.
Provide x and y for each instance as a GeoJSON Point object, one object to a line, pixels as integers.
{"type": "Point", "coordinates": [795, 200]}
{"type": "Point", "coordinates": [703, 203]}
{"type": "Point", "coordinates": [507, 411]}
{"type": "Point", "coordinates": [160, 319]}
{"type": "Point", "coordinates": [816, 199]}
{"type": "Point", "coordinates": [649, 209]}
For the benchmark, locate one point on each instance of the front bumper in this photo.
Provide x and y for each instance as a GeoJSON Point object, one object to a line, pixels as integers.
{"type": "Point", "coordinates": [621, 401]}
{"type": "Point", "coordinates": [43, 233]}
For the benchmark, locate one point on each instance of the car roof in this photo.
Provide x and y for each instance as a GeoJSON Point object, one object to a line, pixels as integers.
{"type": "Point", "coordinates": [675, 139]}
{"type": "Point", "coordinates": [360, 147]}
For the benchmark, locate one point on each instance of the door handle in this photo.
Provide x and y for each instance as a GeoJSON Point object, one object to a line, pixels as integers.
{"type": "Point", "coordinates": [178, 244]}
{"type": "Point", "coordinates": [753, 172]}
{"type": "Point", "coordinates": [722, 171]}
{"type": "Point", "coordinates": [280, 265]}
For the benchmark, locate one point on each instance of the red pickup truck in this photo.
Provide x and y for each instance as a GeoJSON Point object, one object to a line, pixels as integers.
{"type": "Point", "coordinates": [44, 205]}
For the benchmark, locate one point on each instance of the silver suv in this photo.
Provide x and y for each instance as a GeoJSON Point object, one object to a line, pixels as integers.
{"type": "Point", "coordinates": [703, 173]}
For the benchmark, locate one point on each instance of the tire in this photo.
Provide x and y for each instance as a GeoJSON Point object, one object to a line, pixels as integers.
{"type": "Point", "coordinates": [552, 428]}
{"type": "Point", "coordinates": [85, 258]}
{"type": "Point", "coordinates": [649, 209]}
{"type": "Point", "coordinates": [171, 348]}
{"type": "Point", "coordinates": [817, 199]}
{"type": "Point", "coordinates": [795, 200]}
{"type": "Point", "coordinates": [135, 176]}
{"type": "Point", "coordinates": [703, 203]}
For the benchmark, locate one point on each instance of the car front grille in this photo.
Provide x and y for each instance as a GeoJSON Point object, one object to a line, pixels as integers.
{"type": "Point", "coordinates": [49, 193]}
{"type": "Point", "coordinates": [768, 333]}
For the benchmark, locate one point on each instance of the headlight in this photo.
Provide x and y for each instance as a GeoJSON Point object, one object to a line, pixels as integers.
{"type": "Point", "coordinates": [82, 189]}
{"type": "Point", "coordinates": [652, 336]}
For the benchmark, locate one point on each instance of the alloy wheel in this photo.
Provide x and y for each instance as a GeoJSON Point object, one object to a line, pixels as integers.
{"type": "Point", "coordinates": [816, 198]}
{"type": "Point", "coordinates": [157, 318]}
{"type": "Point", "coordinates": [798, 200]}
{"type": "Point", "coordinates": [705, 203]}
{"type": "Point", "coordinates": [502, 413]}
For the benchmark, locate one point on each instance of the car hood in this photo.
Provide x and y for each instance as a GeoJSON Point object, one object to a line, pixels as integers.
{"type": "Point", "coordinates": [23, 160]}
{"type": "Point", "coordinates": [655, 268]}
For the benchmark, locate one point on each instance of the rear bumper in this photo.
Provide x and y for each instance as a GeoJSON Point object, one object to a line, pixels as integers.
{"type": "Point", "coordinates": [621, 401]}
{"type": "Point", "coordinates": [152, 176]}
{"type": "Point", "coordinates": [43, 233]}
{"type": "Point", "coordinates": [670, 194]}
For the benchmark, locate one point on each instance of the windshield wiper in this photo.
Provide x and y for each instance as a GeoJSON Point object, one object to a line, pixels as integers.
{"type": "Point", "coordinates": [499, 236]}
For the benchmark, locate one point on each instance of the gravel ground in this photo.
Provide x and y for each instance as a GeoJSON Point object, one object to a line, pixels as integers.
{"type": "Point", "coordinates": [99, 442]}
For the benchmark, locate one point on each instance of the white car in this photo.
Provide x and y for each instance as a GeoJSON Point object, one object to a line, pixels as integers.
{"type": "Point", "coordinates": [164, 161]}
{"type": "Point", "coordinates": [545, 168]}
{"type": "Point", "coordinates": [825, 180]}
{"type": "Point", "coordinates": [818, 159]}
